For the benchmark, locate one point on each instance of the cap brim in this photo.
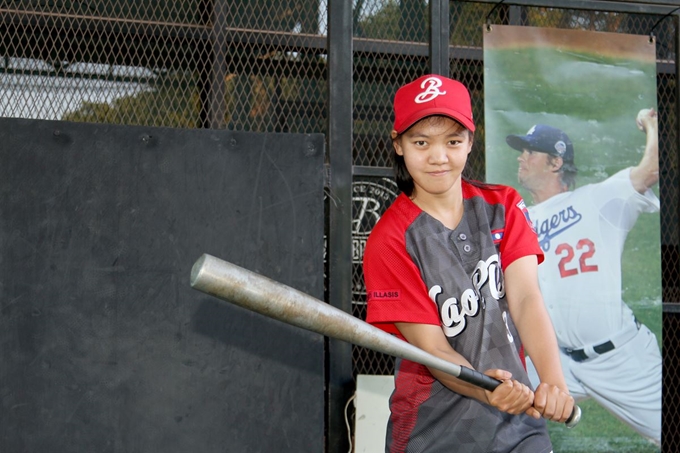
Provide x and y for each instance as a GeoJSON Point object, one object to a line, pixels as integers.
{"type": "Point", "coordinates": [518, 142]}
{"type": "Point", "coordinates": [454, 115]}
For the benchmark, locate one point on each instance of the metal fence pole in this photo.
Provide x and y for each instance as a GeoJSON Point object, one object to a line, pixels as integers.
{"type": "Point", "coordinates": [677, 109]}
{"type": "Point", "coordinates": [439, 37]}
{"type": "Point", "coordinates": [340, 107]}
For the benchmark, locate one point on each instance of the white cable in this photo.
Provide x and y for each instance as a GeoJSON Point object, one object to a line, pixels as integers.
{"type": "Point", "coordinates": [349, 430]}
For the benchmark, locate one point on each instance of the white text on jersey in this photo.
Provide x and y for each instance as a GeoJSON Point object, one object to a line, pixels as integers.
{"type": "Point", "coordinates": [453, 312]}
{"type": "Point", "coordinates": [557, 223]}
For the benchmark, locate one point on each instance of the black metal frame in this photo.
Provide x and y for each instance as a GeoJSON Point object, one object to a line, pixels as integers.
{"type": "Point", "coordinates": [339, 376]}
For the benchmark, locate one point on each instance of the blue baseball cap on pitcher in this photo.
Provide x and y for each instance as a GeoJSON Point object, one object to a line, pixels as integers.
{"type": "Point", "coordinates": [545, 139]}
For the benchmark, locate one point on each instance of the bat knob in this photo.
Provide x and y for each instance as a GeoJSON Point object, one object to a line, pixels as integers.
{"type": "Point", "coordinates": [574, 418]}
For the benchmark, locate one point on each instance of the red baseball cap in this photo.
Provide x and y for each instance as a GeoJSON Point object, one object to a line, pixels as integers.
{"type": "Point", "coordinates": [430, 95]}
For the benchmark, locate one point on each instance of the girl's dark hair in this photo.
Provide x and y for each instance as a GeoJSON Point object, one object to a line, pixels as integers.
{"type": "Point", "coordinates": [401, 174]}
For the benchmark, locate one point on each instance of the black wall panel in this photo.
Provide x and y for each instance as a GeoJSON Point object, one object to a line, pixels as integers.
{"type": "Point", "coordinates": [104, 347]}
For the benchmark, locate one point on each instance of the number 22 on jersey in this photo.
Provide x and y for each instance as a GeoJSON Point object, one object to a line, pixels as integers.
{"type": "Point", "coordinates": [585, 249]}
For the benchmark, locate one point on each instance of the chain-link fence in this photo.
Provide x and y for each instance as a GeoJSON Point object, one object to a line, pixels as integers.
{"type": "Point", "coordinates": [166, 63]}
{"type": "Point", "coordinates": [263, 66]}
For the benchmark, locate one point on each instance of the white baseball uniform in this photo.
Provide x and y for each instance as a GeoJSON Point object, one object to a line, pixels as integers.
{"type": "Point", "coordinates": [606, 354]}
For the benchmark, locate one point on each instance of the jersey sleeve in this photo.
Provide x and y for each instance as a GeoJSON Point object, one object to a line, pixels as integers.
{"type": "Point", "coordinates": [618, 201]}
{"type": "Point", "coordinates": [519, 237]}
{"type": "Point", "coordinates": [394, 287]}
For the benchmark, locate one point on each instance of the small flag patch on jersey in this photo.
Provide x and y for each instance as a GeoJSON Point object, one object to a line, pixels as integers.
{"type": "Point", "coordinates": [497, 236]}
{"type": "Point", "coordinates": [523, 207]}
{"type": "Point", "coordinates": [386, 294]}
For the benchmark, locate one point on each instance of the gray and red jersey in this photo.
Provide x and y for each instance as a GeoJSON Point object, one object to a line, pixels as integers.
{"type": "Point", "coordinates": [419, 271]}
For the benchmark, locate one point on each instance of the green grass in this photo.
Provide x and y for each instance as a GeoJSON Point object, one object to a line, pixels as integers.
{"type": "Point", "coordinates": [595, 100]}
{"type": "Point", "coordinates": [598, 432]}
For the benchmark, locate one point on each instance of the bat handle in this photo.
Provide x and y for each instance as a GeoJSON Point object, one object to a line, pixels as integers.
{"type": "Point", "coordinates": [490, 384]}
{"type": "Point", "coordinates": [478, 379]}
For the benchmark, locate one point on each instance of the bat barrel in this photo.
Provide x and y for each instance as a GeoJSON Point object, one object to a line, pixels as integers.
{"type": "Point", "coordinates": [260, 294]}
{"type": "Point", "coordinates": [257, 293]}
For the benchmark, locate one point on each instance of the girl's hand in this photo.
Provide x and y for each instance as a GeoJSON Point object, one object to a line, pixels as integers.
{"type": "Point", "coordinates": [553, 403]}
{"type": "Point", "coordinates": [511, 396]}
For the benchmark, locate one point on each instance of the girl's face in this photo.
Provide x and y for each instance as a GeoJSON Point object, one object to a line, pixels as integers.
{"type": "Point", "coordinates": [435, 151]}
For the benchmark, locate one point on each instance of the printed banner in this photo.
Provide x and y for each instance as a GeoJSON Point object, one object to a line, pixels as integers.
{"type": "Point", "coordinates": [571, 122]}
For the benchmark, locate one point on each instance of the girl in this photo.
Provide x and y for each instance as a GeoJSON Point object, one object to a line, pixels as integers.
{"type": "Point", "coordinates": [451, 267]}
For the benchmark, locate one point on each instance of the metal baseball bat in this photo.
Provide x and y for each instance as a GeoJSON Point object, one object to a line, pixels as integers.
{"type": "Point", "coordinates": [260, 294]}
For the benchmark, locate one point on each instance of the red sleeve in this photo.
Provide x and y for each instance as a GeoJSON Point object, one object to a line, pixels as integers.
{"type": "Point", "coordinates": [394, 287]}
{"type": "Point", "coordinates": [519, 238]}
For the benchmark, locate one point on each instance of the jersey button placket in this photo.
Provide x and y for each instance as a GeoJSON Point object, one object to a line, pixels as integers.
{"type": "Point", "coordinates": [462, 238]}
